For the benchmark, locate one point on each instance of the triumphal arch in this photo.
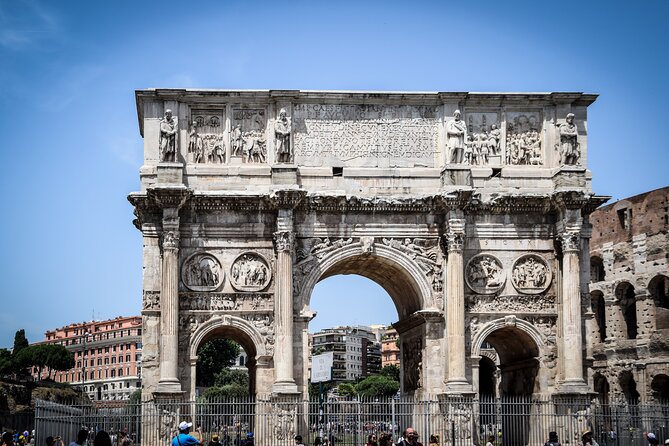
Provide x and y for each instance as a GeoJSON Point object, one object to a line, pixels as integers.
{"type": "Point", "coordinates": [469, 209]}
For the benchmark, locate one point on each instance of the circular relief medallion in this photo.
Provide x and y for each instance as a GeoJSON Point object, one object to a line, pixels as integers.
{"type": "Point", "coordinates": [202, 272]}
{"type": "Point", "coordinates": [250, 272]}
{"type": "Point", "coordinates": [484, 274]}
{"type": "Point", "coordinates": [531, 274]}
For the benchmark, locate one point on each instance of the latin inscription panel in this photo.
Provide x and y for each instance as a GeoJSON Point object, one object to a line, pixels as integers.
{"type": "Point", "coordinates": [365, 135]}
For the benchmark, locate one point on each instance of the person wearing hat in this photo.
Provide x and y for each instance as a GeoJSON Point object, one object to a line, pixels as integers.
{"type": "Point", "coordinates": [184, 438]}
{"type": "Point", "coordinates": [587, 439]}
{"type": "Point", "coordinates": [651, 438]}
{"type": "Point", "coordinates": [215, 441]}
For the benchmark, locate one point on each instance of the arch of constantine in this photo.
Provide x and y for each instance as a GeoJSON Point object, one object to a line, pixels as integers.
{"type": "Point", "coordinates": [469, 209]}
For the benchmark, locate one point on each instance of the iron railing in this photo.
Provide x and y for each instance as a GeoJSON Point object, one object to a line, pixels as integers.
{"type": "Point", "coordinates": [275, 421]}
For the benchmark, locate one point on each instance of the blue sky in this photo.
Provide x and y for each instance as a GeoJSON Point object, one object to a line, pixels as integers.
{"type": "Point", "coordinates": [71, 149]}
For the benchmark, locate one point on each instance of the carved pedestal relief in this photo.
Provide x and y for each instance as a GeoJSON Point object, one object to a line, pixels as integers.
{"type": "Point", "coordinates": [531, 274]}
{"type": "Point", "coordinates": [523, 138]}
{"type": "Point", "coordinates": [206, 139]}
{"type": "Point", "coordinates": [484, 274]}
{"type": "Point", "coordinates": [202, 272]}
{"type": "Point", "coordinates": [250, 272]}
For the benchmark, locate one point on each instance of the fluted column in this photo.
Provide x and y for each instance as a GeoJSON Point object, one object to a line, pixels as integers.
{"type": "Point", "coordinates": [571, 312]}
{"type": "Point", "coordinates": [284, 239]}
{"type": "Point", "coordinates": [169, 303]}
{"type": "Point", "coordinates": [455, 308]}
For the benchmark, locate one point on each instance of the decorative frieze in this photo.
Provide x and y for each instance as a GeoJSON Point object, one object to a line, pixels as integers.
{"type": "Point", "coordinates": [225, 301]}
{"type": "Point", "coordinates": [517, 303]}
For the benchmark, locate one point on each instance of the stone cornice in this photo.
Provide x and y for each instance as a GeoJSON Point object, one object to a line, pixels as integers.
{"type": "Point", "coordinates": [148, 206]}
{"type": "Point", "coordinates": [417, 319]}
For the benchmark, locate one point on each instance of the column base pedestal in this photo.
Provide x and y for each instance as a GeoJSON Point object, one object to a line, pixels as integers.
{"type": "Point", "coordinates": [573, 387]}
{"type": "Point", "coordinates": [169, 387]}
{"type": "Point", "coordinates": [459, 388]}
{"type": "Point", "coordinates": [170, 173]}
{"type": "Point", "coordinates": [285, 388]}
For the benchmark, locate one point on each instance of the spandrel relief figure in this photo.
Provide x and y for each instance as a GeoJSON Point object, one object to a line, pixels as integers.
{"type": "Point", "coordinates": [457, 134]}
{"type": "Point", "coordinates": [168, 137]}
{"type": "Point", "coordinates": [282, 129]}
{"type": "Point", "coordinates": [570, 150]}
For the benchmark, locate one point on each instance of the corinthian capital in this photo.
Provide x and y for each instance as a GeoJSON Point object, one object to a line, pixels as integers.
{"type": "Point", "coordinates": [283, 240]}
{"type": "Point", "coordinates": [570, 240]}
{"type": "Point", "coordinates": [170, 240]}
{"type": "Point", "coordinates": [455, 235]}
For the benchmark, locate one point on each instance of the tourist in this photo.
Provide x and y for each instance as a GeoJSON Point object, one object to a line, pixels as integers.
{"type": "Point", "coordinates": [434, 440]}
{"type": "Point", "coordinates": [410, 438]}
{"type": "Point", "coordinates": [651, 438]}
{"type": "Point", "coordinates": [214, 441]}
{"type": "Point", "coordinates": [82, 436]}
{"type": "Point", "coordinates": [8, 438]}
{"type": "Point", "coordinates": [552, 439]}
{"type": "Point", "coordinates": [184, 438]}
{"type": "Point", "coordinates": [54, 441]}
{"type": "Point", "coordinates": [491, 440]}
{"type": "Point", "coordinates": [586, 439]}
{"type": "Point", "coordinates": [124, 439]}
{"type": "Point", "coordinates": [371, 440]}
{"type": "Point", "coordinates": [386, 440]}
{"type": "Point", "coordinates": [318, 441]}
{"type": "Point", "coordinates": [249, 439]}
{"type": "Point", "coordinates": [102, 438]}
{"type": "Point", "coordinates": [298, 440]}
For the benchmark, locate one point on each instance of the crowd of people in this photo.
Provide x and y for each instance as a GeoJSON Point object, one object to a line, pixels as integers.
{"type": "Point", "coordinates": [84, 438]}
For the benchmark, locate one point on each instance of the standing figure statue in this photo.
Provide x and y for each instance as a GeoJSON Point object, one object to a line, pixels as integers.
{"type": "Point", "coordinates": [457, 134]}
{"type": "Point", "coordinates": [168, 137]}
{"type": "Point", "coordinates": [282, 132]}
{"type": "Point", "coordinates": [195, 144]}
{"type": "Point", "coordinates": [570, 151]}
{"type": "Point", "coordinates": [236, 140]}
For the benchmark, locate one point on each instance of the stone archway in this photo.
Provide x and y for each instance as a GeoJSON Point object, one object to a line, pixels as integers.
{"type": "Point", "coordinates": [518, 344]}
{"type": "Point", "coordinates": [247, 336]}
{"type": "Point", "coordinates": [408, 283]}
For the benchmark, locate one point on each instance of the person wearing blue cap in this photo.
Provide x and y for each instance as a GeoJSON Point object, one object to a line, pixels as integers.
{"type": "Point", "coordinates": [184, 438]}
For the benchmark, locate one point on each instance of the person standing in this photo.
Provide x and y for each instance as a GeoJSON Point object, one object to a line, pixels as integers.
{"type": "Point", "coordinates": [298, 440]}
{"type": "Point", "coordinates": [410, 438]}
{"type": "Point", "coordinates": [82, 436]}
{"type": "Point", "coordinates": [552, 439]}
{"type": "Point", "coordinates": [184, 438]}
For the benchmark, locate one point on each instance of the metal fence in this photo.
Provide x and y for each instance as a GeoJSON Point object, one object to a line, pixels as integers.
{"type": "Point", "coordinates": [349, 421]}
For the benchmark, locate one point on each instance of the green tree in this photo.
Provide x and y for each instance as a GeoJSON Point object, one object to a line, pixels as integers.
{"type": "Point", "coordinates": [20, 341]}
{"type": "Point", "coordinates": [232, 376]}
{"type": "Point", "coordinates": [346, 389]}
{"type": "Point", "coordinates": [378, 385]}
{"type": "Point", "coordinates": [212, 357]}
{"type": "Point", "coordinates": [58, 358]}
{"type": "Point", "coordinates": [5, 361]}
{"type": "Point", "coordinates": [391, 371]}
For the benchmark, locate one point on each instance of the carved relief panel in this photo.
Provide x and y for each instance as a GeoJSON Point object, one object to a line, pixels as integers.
{"type": "Point", "coordinates": [484, 274]}
{"type": "Point", "coordinates": [531, 274]}
{"type": "Point", "coordinates": [524, 138]}
{"type": "Point", "coordinates": [248, 139]}
{"type": "Point", "coordinates": [202, 272]}
{"type": "Point", "coordinates": [250, 272]}
{"type": "Point", "coordinates": [484, 139]}
{"type": "Point", "coordinates": [206, 137]}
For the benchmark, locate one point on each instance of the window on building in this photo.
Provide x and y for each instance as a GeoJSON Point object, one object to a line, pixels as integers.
{"type": "Point", "coordinates": [113, 375]}
{"type": "Point", "coordinates": [138, 345]}
{"type": "Point", "coordinates": [127, 358]}
{"type": "Point", "coordinates": [120, 372]}
{"type": "Point", "coordinates": [106, 361]}
{"type": "Point", "coordinates": [99, 361]}
{"type": "Point", "coordinates": [113, 360]}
